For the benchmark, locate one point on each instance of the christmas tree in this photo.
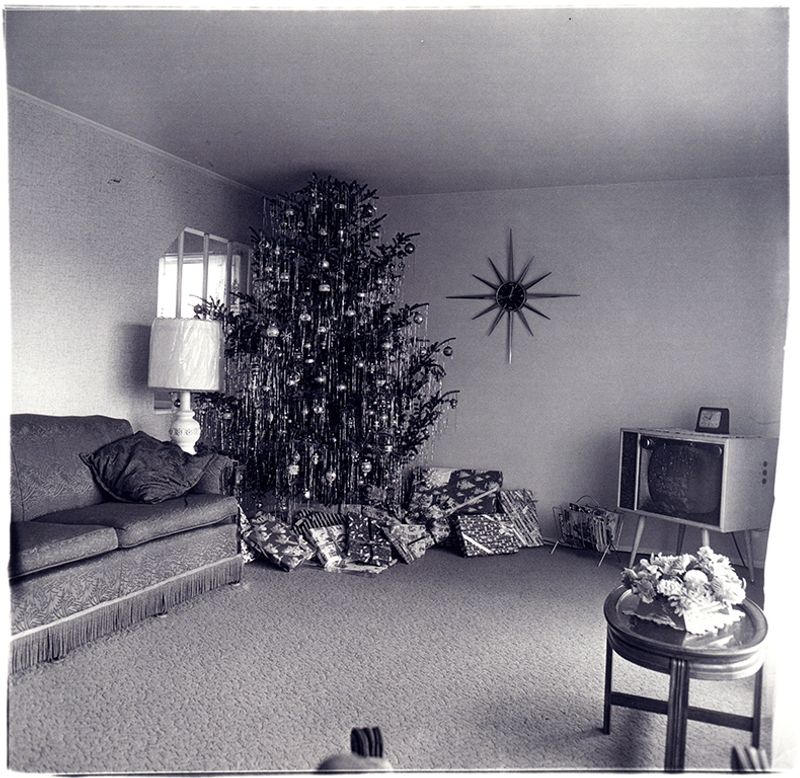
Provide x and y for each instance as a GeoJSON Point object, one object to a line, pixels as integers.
{"type": "Point", "coordinates": [331, 385]}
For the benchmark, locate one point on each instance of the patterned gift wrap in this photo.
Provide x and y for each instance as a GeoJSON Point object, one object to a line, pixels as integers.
{"type": "Point", "coordinates": [410, 541]}
{"type": "Point", "coordinates": [278, 542]}
{"type": "Point", "coordinates": [458, 491]}
{"type": "Point", "coordinates": [486, 535]}
{"type": "Point", "coordinates": [358, 568]}
{"type": "Point", "coordinates": [245, 527]}
{"type": "Point", "coordinates": [330, 544]}
{"type": "Point", "coordinates": [440, 493]}
{"type": "Point", "coordinates": [519, 507]}
{"type": "Point", "coordinates": [305, 520]}
{"type": "Point", "coordinates": [358, 538]}
{"type": "Point", "coordinates": [365, 541]}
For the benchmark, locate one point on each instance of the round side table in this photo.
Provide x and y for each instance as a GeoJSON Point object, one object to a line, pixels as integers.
{"type": "Point", "coordinates": [737, 651]}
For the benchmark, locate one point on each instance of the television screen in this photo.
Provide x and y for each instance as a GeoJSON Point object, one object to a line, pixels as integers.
{"type": "Point", "coordinates": [684, 479]}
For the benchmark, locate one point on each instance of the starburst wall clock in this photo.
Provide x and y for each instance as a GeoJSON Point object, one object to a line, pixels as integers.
{"type": "Point", "coordinates": [511, 296]}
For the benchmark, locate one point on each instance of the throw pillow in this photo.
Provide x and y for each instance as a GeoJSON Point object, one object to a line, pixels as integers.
{"type": "Point", "coordinates": [278, 542]}
{"type": "Point", "coordinates": [519, 506]}
{"type": "Point", "coordinates": [219, 477]}
{"type": "Point", "coordinates": [139, 468]}
{"type": "Point", "coordinates": [486, 535]}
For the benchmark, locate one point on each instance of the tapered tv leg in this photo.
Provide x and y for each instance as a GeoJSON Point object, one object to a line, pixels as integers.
{"type": "Point", "coordinates": [681, 536]}
{"type": "Point", "coordinates": [637, 538]}
{"type": "Point", "coordinates": [748, 554]}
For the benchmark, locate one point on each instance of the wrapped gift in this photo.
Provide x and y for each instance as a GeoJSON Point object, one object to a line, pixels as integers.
{"type": "Point", "coordinates": [365, 541]}
{"type": "Point", "coordinates": [455, 491]}
{"type": "Point", "coordinates": [359, 568]}
{"type": "Point", "coordinates": [410, 541]}
{"type": "Point", "coordinates": [305, 520]}
{"type": "Point", "coordinates": [439, 494]}
{"type": "Point", "coordinates": [519, 507]}
{"type": "Point", "coordinates": [278, 542]}
{"type": "Point", "coordinates": [247, 553]}
{"type": "Point", "coordinates": [330, 544]}
{"type": "Point", "coordinates": [358, 537]}
{"type": "Point", "coordinates": [486, 535]}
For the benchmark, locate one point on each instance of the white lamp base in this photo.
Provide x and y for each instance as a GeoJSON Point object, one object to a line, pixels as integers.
{"type": "Point", "coordinates": [185, 429]}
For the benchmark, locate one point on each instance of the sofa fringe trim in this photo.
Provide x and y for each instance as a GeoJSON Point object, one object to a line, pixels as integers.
{"type": "Point", "coordinates": [53, 641]}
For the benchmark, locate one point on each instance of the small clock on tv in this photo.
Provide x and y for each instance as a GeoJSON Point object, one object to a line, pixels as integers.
{"type": "Point", "coordinates": [713, 420]}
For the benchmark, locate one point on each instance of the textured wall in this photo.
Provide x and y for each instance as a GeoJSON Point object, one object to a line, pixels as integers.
{"type": "Point", "coordinates": [683, 299]}
{"type": "Point", "coordinates": [90, 213]}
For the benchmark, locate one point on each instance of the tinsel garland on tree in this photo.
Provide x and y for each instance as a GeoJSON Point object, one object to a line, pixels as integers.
{"type": "Point", "coordinates": [331, 386]}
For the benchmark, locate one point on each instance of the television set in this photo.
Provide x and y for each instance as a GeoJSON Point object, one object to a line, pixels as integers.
{"type": "Point", "coordinates": [719, 482]}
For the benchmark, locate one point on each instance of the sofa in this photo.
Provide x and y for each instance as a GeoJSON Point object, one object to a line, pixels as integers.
{"type": "Point", "coordinates": [82, 563]}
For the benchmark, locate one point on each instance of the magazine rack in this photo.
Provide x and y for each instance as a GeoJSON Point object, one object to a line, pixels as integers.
{"type": "Point", "coordinates": [585, 524]}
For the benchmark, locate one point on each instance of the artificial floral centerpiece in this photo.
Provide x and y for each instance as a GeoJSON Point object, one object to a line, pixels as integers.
{"type": "Point", "coordinates": [695, 593]}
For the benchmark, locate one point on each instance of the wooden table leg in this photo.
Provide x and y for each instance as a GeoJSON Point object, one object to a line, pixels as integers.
{"type": "Point", "coordinates": [607, 692]}
{"type": "Point", "coordinates": [637, 538]}
{"type": "Point", "coordinates": [748, 554]}
{"type": "Point", "coordinates": [757, 691]}
{"type": "Point", "coordinates": [677, 710]}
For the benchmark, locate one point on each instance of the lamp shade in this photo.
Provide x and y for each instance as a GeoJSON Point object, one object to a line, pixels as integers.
{"type": "Point", "coordinates": [185, 355]}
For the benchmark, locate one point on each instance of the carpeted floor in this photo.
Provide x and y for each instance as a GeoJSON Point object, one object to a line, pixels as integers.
{"type": "Point", "coordinates": [489, 663]}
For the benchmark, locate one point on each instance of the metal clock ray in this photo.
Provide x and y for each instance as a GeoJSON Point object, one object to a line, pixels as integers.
{"type": "Point", "coordinates": [511, 296]}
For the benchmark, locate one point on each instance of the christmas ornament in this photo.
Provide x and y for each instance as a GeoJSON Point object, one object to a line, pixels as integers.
{"type": "Point", "coordinates": [323, 308]}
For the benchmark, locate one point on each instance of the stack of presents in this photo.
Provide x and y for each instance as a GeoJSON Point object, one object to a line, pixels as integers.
{"type": "Point", "coordinates": [465, 510]}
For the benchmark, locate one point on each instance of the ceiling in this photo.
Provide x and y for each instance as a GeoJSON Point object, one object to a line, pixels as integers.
{"type": "Point", "coordinates": [425, 101]}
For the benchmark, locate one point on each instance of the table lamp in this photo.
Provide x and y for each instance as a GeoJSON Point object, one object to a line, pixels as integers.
{"type": "Point", "coordinates": [185, 357]}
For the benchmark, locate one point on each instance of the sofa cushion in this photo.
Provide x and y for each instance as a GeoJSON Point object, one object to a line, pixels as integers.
{"type": "Point", "coordinates": [139, 468]}
{"type": "Point", "coordinates": [137, 523]}
{"type": "Point", "coordinates": [219, 476]}
{"type": "Point", "coordinates": [38, 545]}
{"type": "Point", "coordinates": [47, 473]}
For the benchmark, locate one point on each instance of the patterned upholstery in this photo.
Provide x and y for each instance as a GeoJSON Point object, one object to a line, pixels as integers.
{"type": "Point", "coordinates": [47, 473]}
{"type": "Point", "coordinates": [52, 594]}
{"type": "Point", "coordinates": [137, 523]}
{"type": "Point", "coordinates": [37, 545]}
{"type": "Point", "coordinates": [81, 564]}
